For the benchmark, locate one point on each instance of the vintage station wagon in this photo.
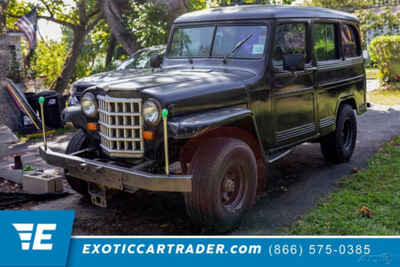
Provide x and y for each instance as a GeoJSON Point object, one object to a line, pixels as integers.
{"type": "Point", "coordinates": [239, 87]}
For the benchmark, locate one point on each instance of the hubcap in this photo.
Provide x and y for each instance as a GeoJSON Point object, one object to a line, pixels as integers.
{"type": "Point", "coordinates": [232, 187]}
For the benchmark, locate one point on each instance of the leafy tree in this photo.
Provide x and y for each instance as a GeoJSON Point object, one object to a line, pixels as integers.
{"type": "Point", "coordinates": [351, 5]}
{"type": "Point", "coordinates": [201, 4]}
{"type": "Point", "coordinates": [80, 18]}
{"type": "Point", "coordinates": [49, 59]}
{"type": "Point", "coordinates": [116, 13]}
{"type": "Point", "coordinates": [149, 22]}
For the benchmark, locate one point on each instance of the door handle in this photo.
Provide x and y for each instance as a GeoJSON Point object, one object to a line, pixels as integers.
{"type": "Point", "coordinates": [311, 69]}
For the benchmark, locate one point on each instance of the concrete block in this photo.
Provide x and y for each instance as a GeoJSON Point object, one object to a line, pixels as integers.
{"type": "Point", "coordinates": [38, 182]}
{"type": "Point", "coordinates": [8, 173]}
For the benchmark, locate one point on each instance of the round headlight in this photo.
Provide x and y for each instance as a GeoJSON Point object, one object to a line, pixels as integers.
{"type": "Point", "coordinates": [151, 113]}
{"type": "Point", "coordinates": [89, 105]}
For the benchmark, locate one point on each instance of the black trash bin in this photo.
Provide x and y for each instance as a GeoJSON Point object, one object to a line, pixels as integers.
{"type": "Point", "coordinates": [33, 100]}
{"type": "Point", "coordinates": [53, 106]}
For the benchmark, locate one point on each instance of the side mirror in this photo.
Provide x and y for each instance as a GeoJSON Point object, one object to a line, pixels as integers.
{"type": "Point", "coordinates": [155, 61]}
{"type": "Point", "coordinates": [293, 62]}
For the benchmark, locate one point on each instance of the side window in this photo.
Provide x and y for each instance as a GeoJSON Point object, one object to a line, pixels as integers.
{"type": "Point", "coordinates": [324, 40]}
{"type": "Point", "coordinates": [290, 38]}
{"type": "Point", "coordinates": [350, 41]}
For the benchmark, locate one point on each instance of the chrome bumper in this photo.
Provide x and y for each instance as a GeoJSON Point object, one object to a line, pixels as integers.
{"type": "Point", "coordinates": [116, 177]}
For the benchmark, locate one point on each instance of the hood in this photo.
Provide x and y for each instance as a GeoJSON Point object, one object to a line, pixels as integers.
{"type": "Point", "coordinates": [107, 77]}
{"type": "Point", "coordinates": [185, 89]}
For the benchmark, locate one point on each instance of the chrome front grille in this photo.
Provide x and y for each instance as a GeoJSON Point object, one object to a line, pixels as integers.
{"type": "Point", "coordinates": [121, 126]}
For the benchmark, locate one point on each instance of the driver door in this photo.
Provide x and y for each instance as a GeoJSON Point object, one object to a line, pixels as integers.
{"type": "Point", "coordinates": [293, 92]}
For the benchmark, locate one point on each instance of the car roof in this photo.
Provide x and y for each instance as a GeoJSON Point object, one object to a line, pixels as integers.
{"type": "Point", "coordinates": [262, 12]}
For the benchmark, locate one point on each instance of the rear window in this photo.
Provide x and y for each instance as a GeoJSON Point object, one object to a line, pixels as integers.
{"type": "Point", "coordinates": [350, 41]}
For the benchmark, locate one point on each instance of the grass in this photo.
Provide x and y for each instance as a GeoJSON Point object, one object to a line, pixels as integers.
{"type": "Point", "coordinates": [372, 74]}
{"type": "Point", "coordinates": [375, 190]}
{"type": "Point", "coordinates": [384, 97]}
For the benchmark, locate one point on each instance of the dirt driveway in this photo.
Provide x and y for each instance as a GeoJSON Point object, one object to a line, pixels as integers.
{"type": "Point", "coordinates": [297, 182]}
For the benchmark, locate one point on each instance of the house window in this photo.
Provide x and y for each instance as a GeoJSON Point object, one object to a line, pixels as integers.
{"type": "Point", "coordinates": [290, 40]}
{"type": "Point", "coordinates": [350, 41]}
{"type": "Point", "coordinates": [324, 40]}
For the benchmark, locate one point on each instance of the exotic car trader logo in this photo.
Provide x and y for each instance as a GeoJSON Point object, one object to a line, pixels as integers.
{"type": "Point", "coordinates": [25, 231]}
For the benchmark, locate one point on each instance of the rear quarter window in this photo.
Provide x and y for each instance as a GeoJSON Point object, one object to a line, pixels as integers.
{"type": "Point", "coordinates": [350, 41]}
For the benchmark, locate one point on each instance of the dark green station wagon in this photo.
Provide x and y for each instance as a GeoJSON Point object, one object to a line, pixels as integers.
{"type": "Point", "coordinates": [239, 87]}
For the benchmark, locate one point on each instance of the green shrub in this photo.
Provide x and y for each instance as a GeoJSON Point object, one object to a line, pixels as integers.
{"type": "Point", "coordinates": [385, 51]}
{"type": "Point", "coordinates": [49, 60]}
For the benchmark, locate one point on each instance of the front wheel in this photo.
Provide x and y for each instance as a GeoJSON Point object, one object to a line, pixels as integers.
{"type": "Point", "coordinates": [224, 183]}
{"type": "Point", "coordinates": [78, 142]}
{"type": "Point", "coordinates": [338, 146]}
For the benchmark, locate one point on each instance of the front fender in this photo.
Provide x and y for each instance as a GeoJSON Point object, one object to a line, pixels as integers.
{"type": "Point", "coordinates": [74, 114]}
{"type": "Point", "coordinates": [189, 126]}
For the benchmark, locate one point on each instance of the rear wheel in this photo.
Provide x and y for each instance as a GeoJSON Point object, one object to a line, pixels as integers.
{"type": "Point", "coordinates": [224, 183]}
{"type": "Point", "coordinates": [338, 147]}
{"type": "Point", "coordinates": [78, 142]}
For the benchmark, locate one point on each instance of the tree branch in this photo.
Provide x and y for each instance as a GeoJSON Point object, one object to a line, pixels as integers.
{"type": "Point", "coordinates": [93, 23]}
{"type": "Point", "coordinates": [64, 23]}
{"type": "Point", "coordinates": [94, 12]}
{"type": "Point", "coordinates": [47, 8]}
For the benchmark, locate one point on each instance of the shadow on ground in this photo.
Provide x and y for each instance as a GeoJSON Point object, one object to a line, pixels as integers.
{"type": "Point", "coordinates": [296, 183]}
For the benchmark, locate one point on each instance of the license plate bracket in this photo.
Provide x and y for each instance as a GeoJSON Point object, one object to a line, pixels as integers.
{"type": "Point", "coordinates": [98, 195]}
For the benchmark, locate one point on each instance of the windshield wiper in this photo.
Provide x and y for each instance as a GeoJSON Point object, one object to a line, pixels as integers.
{"type": "Point", "coordinates": [236, 47]}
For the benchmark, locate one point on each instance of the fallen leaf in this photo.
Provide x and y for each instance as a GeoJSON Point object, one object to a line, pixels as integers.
{"type": "Point", "coordinates": [354, 170]}
{"type": "Point", "coordinates": [365, 212]}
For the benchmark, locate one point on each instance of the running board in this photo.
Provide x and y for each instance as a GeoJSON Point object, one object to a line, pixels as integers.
{"type": "Point", "coordinates": [278, 155]}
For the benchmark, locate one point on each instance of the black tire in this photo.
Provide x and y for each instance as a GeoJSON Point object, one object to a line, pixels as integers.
{"type": "Point", "coordinates": [338, 146]}
{"type": "Point", "coordinates": [224, 184]}
{"type": "Point", "coordinates": [78, 142]}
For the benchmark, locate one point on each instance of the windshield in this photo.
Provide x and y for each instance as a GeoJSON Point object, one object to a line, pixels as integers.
{"type": "Point", "coordinates": [140, 60]}
{"type": "Point", "coordinates": [198, 42]}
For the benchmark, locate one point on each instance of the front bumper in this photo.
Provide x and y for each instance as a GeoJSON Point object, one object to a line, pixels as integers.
{"type": "Point", "coordinates": [115, 177]}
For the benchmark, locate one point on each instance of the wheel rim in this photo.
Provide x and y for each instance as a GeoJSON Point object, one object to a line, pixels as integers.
{"type": "Point", "coordinates": [347, 135]}
{"type": "Point", "coordinates": [233, 188]}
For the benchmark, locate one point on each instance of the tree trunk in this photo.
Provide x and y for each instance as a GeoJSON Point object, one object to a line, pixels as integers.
{"type": "Point", "coordinates": [112, 10]}
{"type": "Point", "coordinates": [175, 8]}
{"type": "Point", "coordinates": [110, 51]}
{"type": "Point", "coordinates": [112, 13]}
{"type": "Point", "coordinates": [3, 41]}
{"type": "Point", "coordinates": [69, 67]}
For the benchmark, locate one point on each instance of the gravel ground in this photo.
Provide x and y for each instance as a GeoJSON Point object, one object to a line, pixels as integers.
{"type": "Point", "coordinates": [296, 183]}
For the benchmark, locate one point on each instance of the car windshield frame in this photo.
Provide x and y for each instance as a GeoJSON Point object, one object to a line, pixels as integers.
{"type": "Point", "coordinates": [212, 44]}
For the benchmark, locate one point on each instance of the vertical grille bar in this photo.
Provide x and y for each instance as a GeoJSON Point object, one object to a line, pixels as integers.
{"type": "Point", "coordinates": [121, 126]}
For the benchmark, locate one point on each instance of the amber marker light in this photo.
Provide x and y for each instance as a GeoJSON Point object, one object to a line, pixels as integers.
{"type": "Point", "coordinates": [148, 135]}
{"type": "Point", "coordinates": [92, 126]}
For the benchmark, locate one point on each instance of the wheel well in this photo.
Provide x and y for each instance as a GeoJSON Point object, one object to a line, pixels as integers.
{"type": "Point", "coordinates": [244, 130]}
{"type": "Point", "coordinates": [350, 102]}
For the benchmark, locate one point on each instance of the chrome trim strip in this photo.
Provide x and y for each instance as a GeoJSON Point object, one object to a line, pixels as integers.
{"type": "Point", "coordinates": [294, 132]}
{"type": "Point", "coordinates": [119, 126]}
